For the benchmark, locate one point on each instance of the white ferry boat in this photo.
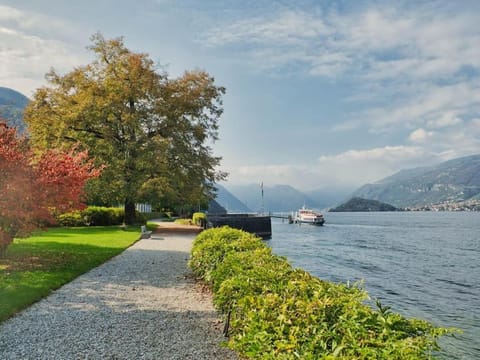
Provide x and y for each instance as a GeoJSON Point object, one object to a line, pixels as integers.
{"type": "Point", "coordinates": [308, 216]}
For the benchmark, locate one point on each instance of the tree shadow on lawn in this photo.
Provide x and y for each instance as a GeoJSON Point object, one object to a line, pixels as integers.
{"type": "Point", "coordinates": [83, 230]}
{"type": "Point", "coordinates": [47, 255]}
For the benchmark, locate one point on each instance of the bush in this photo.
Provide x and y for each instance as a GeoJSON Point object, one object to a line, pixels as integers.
{"type": "Point", "coordinates": [248, 273]}
{"type": "Point", "coordinates": [71, 219]}
{"type": "Point", "coordinates": [92, 215]}
{"type": "Point", "coordinates": [199, 219]}
{"type": "Point", "coordinates": [103, 216]}
{"type": "Point", "coordinates": [212, 245]}
{"type": "Point", "coordinates": [278, 312]}
{"type": "Point", "coordinates": [97, 216]}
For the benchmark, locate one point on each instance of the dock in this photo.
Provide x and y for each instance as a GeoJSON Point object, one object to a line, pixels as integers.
{"type": "Point", "coordinates": [283, 216]}
{"type": "Point", "coordinates": [260, 225]}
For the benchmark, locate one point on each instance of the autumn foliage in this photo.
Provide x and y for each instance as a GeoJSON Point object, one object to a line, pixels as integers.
{"type": "Point", "coordinates": [33, 188]}
{"type": "Point", "coordinates": [154, 132]}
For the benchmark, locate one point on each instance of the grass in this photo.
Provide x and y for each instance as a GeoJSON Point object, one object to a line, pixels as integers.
{"type": "Point", "coordinates": [34, 267]}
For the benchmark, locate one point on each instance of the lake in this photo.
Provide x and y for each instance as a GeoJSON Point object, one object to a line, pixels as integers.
{"type": "Point", "coordinates": [423, 264]}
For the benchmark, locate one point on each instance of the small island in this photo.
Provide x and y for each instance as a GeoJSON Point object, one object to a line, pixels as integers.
{"type": "Point", "coordinates": [358, 204]}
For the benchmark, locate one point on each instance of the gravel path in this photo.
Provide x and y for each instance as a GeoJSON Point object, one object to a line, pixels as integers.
{"type": "Point", "coordinates": [142, 304]}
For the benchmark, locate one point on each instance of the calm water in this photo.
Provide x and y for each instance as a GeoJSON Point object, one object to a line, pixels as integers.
{"type": "Point", "coordinates": [423, 264]}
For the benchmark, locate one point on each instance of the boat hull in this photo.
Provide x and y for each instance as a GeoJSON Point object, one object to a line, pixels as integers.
{"type": "Point", "coordinates": [317, 223]}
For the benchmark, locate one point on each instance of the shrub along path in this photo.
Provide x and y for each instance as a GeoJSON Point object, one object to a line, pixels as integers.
{"type": "Point", "coordinates": [142, 304]}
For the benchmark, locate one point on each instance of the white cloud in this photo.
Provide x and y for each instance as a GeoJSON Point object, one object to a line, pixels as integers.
{"type": "Point", "coordinates": [387, 154]}
{"type": "Point", "coordinates": [450, 142]}
{"type": "Point", "coordinates": [447, 119]}
{"type": "Point", "coordinates": [349, 169]}
{"type": "Point", "coordinates": [30, 44]}
{"type": "Point", "coordinates": [428, 105]}
{"type": "Point", "coordinates": [420, 135]}
{"type": "Point", "coordinates": [475, 124]}
{"type": "Point", "coordinates": [286, 28]}
{"type": "Point", "coordinates": [417, 64]}
{"type": "Point", "coordinates": [385, 42]}
{"type": "Point", "coordinates": [37, 24]}
{"type": "Point", "coordinates": [458, 141]}
{"type": "Point", "coordinates": [8, 13]}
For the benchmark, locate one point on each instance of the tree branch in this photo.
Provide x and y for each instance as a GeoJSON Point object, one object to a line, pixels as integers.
{"type": "Point", "coordinates": [97, 134]}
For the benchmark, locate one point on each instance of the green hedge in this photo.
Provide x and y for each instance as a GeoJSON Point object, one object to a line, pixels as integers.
{"type": "Point", "coordinates": [71, 219]}
{"type": "Point", "coordinates": [92, 215]}
{"type": "Point", "coordinates": [278, 312]}
{"type": "Point", "coordinates": [199, 218]}
{"type": "Point", "coordinates": [103, 216]}
{"type": "Point", "coordinates": [96, 216]}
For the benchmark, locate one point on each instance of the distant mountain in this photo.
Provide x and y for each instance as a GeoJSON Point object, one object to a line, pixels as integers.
{"type": "Point", "coordinates": [12, 105]}
{"type": "Point", "coordinates": [454, 180]}
{"type": "Point", "coordinates": [229, 202]}
{"type": "Point", "coordinates": [276, 198]}
{"type": "Point", "coordinates": [357, 204]}
{"type": "Point", "coordinates": [327, 198]}
{"type": "Point", "coordinates": [215, 208]}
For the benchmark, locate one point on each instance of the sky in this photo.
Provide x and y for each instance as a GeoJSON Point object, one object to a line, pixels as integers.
{"type": "Point", "coordinates": [320, 94]}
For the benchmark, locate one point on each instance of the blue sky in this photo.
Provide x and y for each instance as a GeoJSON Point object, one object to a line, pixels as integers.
{"type": "Point", "coordinates": [320, 94]}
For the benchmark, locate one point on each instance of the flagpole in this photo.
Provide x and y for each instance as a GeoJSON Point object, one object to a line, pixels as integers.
{"type": "Point", "coordinates": [263, 203]}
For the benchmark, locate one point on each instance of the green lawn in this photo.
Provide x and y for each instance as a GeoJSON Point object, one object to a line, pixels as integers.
{"type": "Point", "coordinates": [33, 267]}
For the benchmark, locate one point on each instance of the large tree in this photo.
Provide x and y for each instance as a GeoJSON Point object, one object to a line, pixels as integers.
{"type": "Point", "coordinates": [32, 187]}
{"type": "Point", "coordinates": [152, 132]}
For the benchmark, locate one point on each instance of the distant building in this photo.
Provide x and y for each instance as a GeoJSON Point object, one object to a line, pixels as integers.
{"type": "Point", "coordinates": [143, 208]}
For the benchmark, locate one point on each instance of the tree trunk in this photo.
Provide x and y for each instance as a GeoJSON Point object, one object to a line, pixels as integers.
{"type": "Point", "coordinates": [130, 217]}
{"type": "Point", "coordinates": [5, 240]}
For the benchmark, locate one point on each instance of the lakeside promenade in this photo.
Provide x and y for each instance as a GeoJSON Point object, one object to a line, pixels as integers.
{"type": "Point", "coordinates": [142, 304]}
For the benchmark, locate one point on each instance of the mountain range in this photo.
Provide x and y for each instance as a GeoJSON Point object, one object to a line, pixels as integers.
{"type": "Point", "coordinates": [12, 105]}
{"type": "Point", "coordinates": [276, 198]}
{"type": "Point", "coordinates": [229, 201]}
{"type": "Point", "coordinates": [451, 181]}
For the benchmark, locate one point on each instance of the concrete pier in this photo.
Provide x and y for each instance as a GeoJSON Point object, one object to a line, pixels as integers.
{"type": "Point", "coordinates": [260, 225]}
